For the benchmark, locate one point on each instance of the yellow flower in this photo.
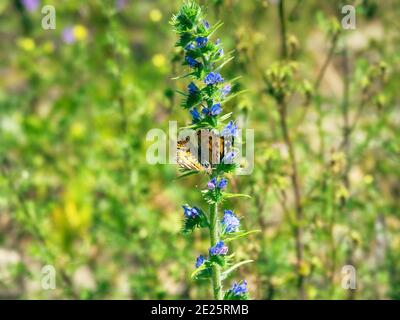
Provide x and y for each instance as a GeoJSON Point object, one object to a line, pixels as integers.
{"type": "Point", "coordinates": [48, 47]}
{"type": "Point", "coordinates": [312, 293]}
{"type": "Point", "coordinates": [277, 281]}
{"type": "Point", "coordinates": [304, 268]}
{"type": "Point", "coordinates": [338, 162]}
{"type": "Point", "coordinates": [368, 179]}
{"type": "Point", "coordinates": [342, 193]}
{"type": "Point", "coordinates": [159, 60]}
{"type": "Point", "coordinates": [27, 44]}
{"type": "Point", "coordinates": [80, 32]}
{"type": "Point", "coordinates": [77, 130]}
{"type": "Point", "coordinates": [355, 236]}
{"type": "Point", "coordinates": [155, 15]}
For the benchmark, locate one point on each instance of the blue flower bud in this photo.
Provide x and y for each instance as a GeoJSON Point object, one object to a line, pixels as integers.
{"type": "Point", "coordinates": [213, 78]}
{"type": "Point", "coordinates": [229, 157]}
{"type": "Point", "coordinates": [190, 212]}
{"type": "Point", "coordinates": [239, 288]}
{"type": "Point", "coordinates": [212, 184]}
{"type": "Point", "coordinates": [230, 130]}
{"type": "Point", "coordinates": [222, 183]}
{"type": "Point", "coordinates": [190, 47]}
{"type": "Point", "coordinates": [201, 41]}
{"type": "Point", "coordinates": [191, 61]}
{"type": "Point", "coordinates": [195, 114]}
{"type": "Point", "coordinates": [216, 109]}
{"type": "Point", "coordinates": [219, 249]}
{"type": "Point", "coordinates": [200, 260]}
{"type": "Point", "coordinates": [193, 89]}
{"type": "Point", "coordinates": [226, 90]}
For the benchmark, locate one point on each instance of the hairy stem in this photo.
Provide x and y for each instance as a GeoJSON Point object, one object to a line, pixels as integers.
{"type": "Point", "coordinates": [214, 238]}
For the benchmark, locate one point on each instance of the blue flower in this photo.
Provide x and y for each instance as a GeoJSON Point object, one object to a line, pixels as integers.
{"type": "Point", "coordinates": [216, 109]}
{"type": "Point", "coordinates": [30, 5]}
{"type": "Point", "coordinates": [230, 222]}
{"type": "Point", "coordinates": [213, 78]}
{"type": "Point", "coordinates": [221, 52]}
{"type": "Point", "coordinates": [213, 111]}
{"type": "Point", "coordinates": [230, 130]}
{"type": "Point", "coordinates": [222, 183]}
{"type": "Point", "coordinates": [195, 114]}
{"type": "Point", "coordinates": [189, 47]}
{"type": "Point", "coordinates": [193, 89]}
{"type": "Point", "coordinates": [229, 157]}
{"type": "Point", "coordinates": [239, 288]}
{"type": "Point", "coordinates": [226, 90]}
{"type": "Point", "coordinates": [68, 35]}
{"type": "Point", "coordinates": [206, 24]}
{"type": "Point", "coordinates": [190, 212]}
{"type": "Point", "coordinates": [200, 260]}
{"type": "Point", "coordinates": [201, 41]}
{"type": "Point", "coordinates": [212, 184]}
{"type": "Point", "coordinates": [191, 61]}
{"type": "Point", "coordinates": [219, 249]}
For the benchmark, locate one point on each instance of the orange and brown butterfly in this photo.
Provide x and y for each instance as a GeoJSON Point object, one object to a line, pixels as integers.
{"type": "Point", "coordinates": [189, 161]}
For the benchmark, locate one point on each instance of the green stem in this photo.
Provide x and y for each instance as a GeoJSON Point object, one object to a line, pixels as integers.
{"type": "Point", "coordinates": [214, 238]}
{"type": "Point", "coordinates": [282, 25]}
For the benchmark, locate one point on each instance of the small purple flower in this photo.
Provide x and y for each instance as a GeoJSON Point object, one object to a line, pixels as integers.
{"type": "Point", "coordinates": [206, 24]}
{"type": "Point", "coordinates": [213, 78]}
{"type": "Point", "coordinates": [190, 47]}
{"type": "Point", "coordinates": [222, 183]}
{"type": "Point", "coordinates": [193, 89]}
{"type": "Point", "coordinates": [239, 288]}
{"type": "Point", "coordinates": [191, 61]}
{"type": "Point", "coordinates": [221, 52]}
{"type": "Point", "coordinates": [216, 109]}
{"type": "Point", "coordinates": [218, 41]}
{"type": "Point", "coordinates": [30, 5]}
{"type": "Point", "coordinates": [226, 90]}
{"type": "Point", "coordinates": [190, 212]}
{"type": "Point", "coordinates": [219, 249]}
{"type": "Point", "coordinates": [230, 129]}
{"type": "Point", "coordinates": [195, 114]}
{"type": "Point", "coordinates": [200, 260]}
{"type": "Point", "coordinates": [68, 35]}
{"type": "Point", "coordinates": [212, 184]}
{"type": "Point", "coordinates": [120, 4]}
{"type": "Point", "coordinates": [230, 222]}
{"type": "Point", "coordinates": [201, 41]}
{"type": "Point", "coordinates": [229, 157]}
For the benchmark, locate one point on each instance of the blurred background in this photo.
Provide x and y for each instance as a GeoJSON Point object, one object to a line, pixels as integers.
{"type": "Point", "coordinates": [77, 193]}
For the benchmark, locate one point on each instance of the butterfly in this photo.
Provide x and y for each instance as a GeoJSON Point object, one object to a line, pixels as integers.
{"type": "Point", "coordinates": [217, 145]}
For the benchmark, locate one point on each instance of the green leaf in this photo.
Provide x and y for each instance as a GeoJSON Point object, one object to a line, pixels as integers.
{"type": "Point", "coordinates": [182, 77]}
{"type": "Point", "coordinates": [200, 221]}
{"type": "Point", "coordinates": [230, 296]}
{"type": "Point", "coordinates": [235, 195]}
{"type": "Point", "coordinates": [218, 259]}
{"type": "Point", "coordinates": [186, 174]}
{"type": "Point", "coordinates": [224, 63]}
{"type": "Point", "coordinates": [235, 266]}
{"type": "Point", "coordinates": [233, 236]}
